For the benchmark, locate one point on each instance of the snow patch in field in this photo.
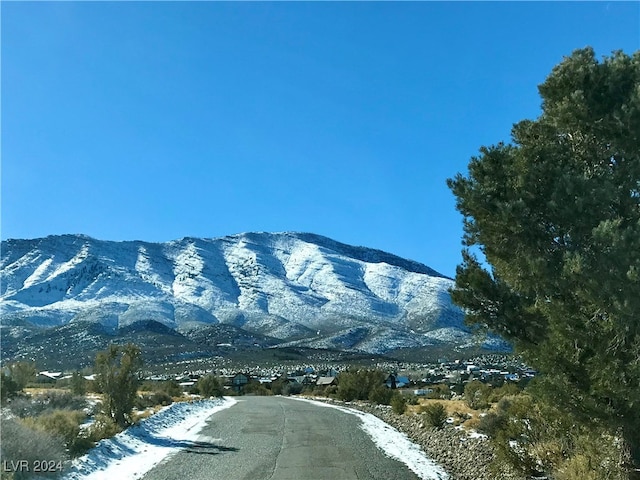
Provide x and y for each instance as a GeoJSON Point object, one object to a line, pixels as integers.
{"type": "Point", "coordinates": [134, 452]}
{"type": "Point", "coordinates": [393, 443]}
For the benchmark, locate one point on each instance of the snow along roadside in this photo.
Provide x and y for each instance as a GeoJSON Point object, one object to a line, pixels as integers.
{"type": "Point", "coordinates": [393, 443]}
{"type": "Point", "coordinates": [133, 452]}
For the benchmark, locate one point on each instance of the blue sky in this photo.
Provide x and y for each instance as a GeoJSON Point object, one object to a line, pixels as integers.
{"type": "Point", "coordinates": [158, 120]}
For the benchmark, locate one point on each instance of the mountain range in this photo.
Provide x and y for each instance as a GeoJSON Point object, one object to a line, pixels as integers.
{"type": "Point", "coordinates": [277, 290]}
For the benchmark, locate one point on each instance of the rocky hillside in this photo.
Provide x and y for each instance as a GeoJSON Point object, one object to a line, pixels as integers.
{"type": "Point", "coordinates": [297, 290]}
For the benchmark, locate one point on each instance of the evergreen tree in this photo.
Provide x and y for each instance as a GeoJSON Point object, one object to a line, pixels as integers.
{"type": "Point", "coordinates": [78, 384]}
{"type": "Point", "coordinates": [8, 387]}
{"type": "Point", "coordinates": [23, 373]}
{"type": "Point", "coordinates": [118, 377]}
{"type": "Point", "coordinates": [556, 214]}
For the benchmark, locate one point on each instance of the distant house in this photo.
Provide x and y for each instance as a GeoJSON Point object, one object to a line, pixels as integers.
{"type": "Point", "coordinates": [48, 377]}
{"type": "Point", "coordinates": [301, 379]}
{"type": "Point", "coordinates": [422, 391]}
{"type": "Point", "coordinates": [238, 381]}
{"type": "Point", "coordinates": [325, 381]}
{"type": "Point", "coordinates": [396, 381]}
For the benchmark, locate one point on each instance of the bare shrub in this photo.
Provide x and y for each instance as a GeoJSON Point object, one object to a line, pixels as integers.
{"type": "Point", "coordinates": [21, 443]}
{"type": "Point", "coordinates": [152, 399]}
{"type": "Point", "coordinates": [47, 401]}
{"type": "Point", "coordinates": [61, 423]}
{"type": "Point", "coordinates": [102, 427]}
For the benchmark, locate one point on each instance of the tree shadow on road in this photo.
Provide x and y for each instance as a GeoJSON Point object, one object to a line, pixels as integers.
{"type": "Point", "coordinates": [190, 446]}
{"type": "Point", "coordinates": [208, 448]}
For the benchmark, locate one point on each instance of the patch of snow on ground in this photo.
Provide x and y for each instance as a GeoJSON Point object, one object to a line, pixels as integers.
{"type": "Point", "coordinates": [393, 443]}
{"type": "Point", "coordinates": [134, 452]}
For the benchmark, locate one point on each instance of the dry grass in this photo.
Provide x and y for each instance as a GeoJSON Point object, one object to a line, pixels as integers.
{"type": "Point", "coordinates": [146, 413]}
{"type": "Point", "coordinates": [457, 409]}
{"type": "Point", "coordinates": [40, 390]}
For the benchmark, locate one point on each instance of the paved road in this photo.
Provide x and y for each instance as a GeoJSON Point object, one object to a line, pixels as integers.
{"type": "Point", "coordinates": [281, 439]}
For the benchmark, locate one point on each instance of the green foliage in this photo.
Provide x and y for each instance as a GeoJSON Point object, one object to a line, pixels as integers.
{"type": "Point", "coordinates": [118, 377]}
{"type": "Point", "coordinates": [169, 387]}
{"type": "Point", "coordinates": [9, 388]}
{"type": "Point", "coordinates": [22, 373]}
{"type": "Point", "coordinates": [477, 395]}
{"type": "Point", "coordinates": [358, 384]}
{"type": "Point", "coordinates": [398, 403]}
{"type": "Point", "coordinates": [277, 385]}
{"type": "Point", "coordinates": [556, 214]}
{"type": "Point", "coordinates": [413, 400]}
{"type": "Point", "coordinates": [78, 384]}
{"type": "Point", "coordinates": [64, 424]}
{"type": "Point", "coordinates": [381, 394]}
{"type": "Point", "coordinates": [435, 414]}
{"type": "Point", "coordinates": [506, 390]}
{"type": "Point", "coordinates": [538, 439]}
{"type": "Point", "coordinates": [102, 427]}
{"type": "Point", "coordinates": [210, 386]}
{"type": "Point", "coordinates": [292, 388]}
{"type": "Point", "coordinates": [256, 388]}
{"type": "Point", "coordinates": [440, 391]}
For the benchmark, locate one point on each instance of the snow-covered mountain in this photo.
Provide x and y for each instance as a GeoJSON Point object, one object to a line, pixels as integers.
{"type": "Point", "coordinates": [300, 289]}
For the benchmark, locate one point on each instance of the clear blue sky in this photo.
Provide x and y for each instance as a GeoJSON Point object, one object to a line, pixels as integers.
{"type": "Point", "coordinates": [155, 121]}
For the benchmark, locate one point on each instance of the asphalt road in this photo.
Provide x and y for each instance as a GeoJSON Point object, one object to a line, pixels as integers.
{"type": "Point", "coordinates": [281, 439]}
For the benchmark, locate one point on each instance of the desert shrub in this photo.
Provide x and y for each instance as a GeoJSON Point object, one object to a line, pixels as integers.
{"type": "Point", "coordinates": [537, 439]}
{"type": "Point", "coordinates": [317, 392]}
{"type": "Point", "coordinates": [596, 456]}
{"type": "Point", "coordinates": [292, 388]}
{"type": "Point", "coordinates": [491, 423]}
{"type": "Point", "coordinates": [331, 391]}
{"type": "Point", "coordinates": [506, 390]}
{"type": "Point", "coordinates": [358, 384]}
{"type": "Point", "coordinates": [210, 386]}
{"type": "Point", "coordinates": [118, 375]}
{"type": "Point", "coordinates": [170, 387]}
{"type": "Point", "coordinates": [435, 414]}
{"type": "Point", "coordinates": [381, 394]}
{"type": "Point", "coordinates": [78, 384]}
{"type": "Point", "coordinates": [439, 392]}
{"type": "Point", "coordinates": [102, 427]}
{"type": "Point", "coordinates": [49, 400]}
{"type": "Point", "coordinates": [460, 417]}
{"type": "Point", "coordinates": [9, 388]}
{"type": "Point", "coordinates": [57, 400]}
{"type": "Point", "coordinates": [21, 443]}
{"type": "Point", "coordinates": [476, 395]}
{"type": "Point", "coordinates": [277, 385]}
{"type": "Point", "coordinates": [398, 403]}
{"type": "Point", "coordinates": [256, 388]}
{"type": "Point", "coordinates": [412, 400]}
{"type": "Point", "coordinates": [64, 424]}
{"type": "Point", "coordinates": [152, 399]}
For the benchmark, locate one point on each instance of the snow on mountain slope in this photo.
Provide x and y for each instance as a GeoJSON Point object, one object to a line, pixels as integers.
{"type": "Point", "coordinates": [301, 288]}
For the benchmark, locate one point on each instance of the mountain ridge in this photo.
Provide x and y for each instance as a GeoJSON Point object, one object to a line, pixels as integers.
{"type": "Point", "coordinates": [299, 289]}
